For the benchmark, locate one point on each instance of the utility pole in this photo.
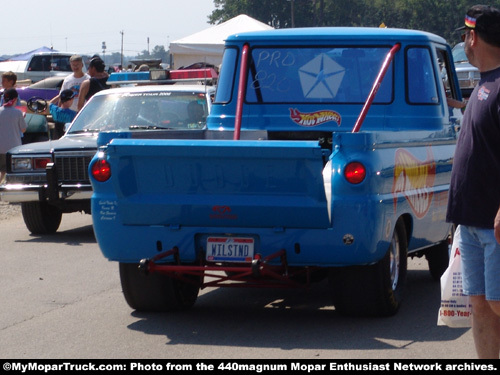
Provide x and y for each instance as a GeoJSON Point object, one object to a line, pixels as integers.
{"type": "Point", "coordinates": [104, 52]}
{"type": "Point", "coordinates": [121, 53]}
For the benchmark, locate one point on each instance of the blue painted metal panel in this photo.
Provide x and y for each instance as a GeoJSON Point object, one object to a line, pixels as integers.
{"type": "Point", "coordinates": [196, 183]}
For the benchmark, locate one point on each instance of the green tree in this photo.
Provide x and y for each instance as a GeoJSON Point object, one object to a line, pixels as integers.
{"type": "Point", "coordinates": [277, 13]}
{"type": "Point", "coordinates": [440, 17]}
{"type": "Point", "coordinates": [158, 52]}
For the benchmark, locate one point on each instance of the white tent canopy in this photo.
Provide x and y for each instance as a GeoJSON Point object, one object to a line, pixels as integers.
{"type": "Point", "coordinates": [208, 45]}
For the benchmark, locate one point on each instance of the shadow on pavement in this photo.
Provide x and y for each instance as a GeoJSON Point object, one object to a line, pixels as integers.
{"type": "Point", "coordinates": [299, 319]}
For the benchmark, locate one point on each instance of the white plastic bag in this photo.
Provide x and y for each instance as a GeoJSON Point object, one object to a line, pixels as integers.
{"type": "Point", "coordinates": [455, 310]}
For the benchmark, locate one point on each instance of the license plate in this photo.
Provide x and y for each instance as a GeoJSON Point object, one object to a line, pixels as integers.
{"type": "Point", "coordinates": [229, 249]}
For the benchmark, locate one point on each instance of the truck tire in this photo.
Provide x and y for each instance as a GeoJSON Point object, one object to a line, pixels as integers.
{"type": "Point", "coordinates": [374, 290]}
{"type": "Point", "coordinates": [438, 256]}
{"type": "Point", "coordinates": [156, 292]}
{"type": "Point", "coordinates": [41, 217]}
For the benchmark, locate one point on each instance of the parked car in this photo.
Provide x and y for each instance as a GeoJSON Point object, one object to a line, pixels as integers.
{"type": "Point", "coordinates": [40, 65]}
{"type": "Point", "coordinates": [46, 89]}
{"type": "Point", "coordinates": [468, 75]}
{"type": "Point", "coordinates": [51, 178]}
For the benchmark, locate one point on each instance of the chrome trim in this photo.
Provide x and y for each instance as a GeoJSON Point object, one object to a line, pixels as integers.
{"type": "Point", "coordinates": [30, 193]}
{"type": "Point", "coordinates": [19, 196]}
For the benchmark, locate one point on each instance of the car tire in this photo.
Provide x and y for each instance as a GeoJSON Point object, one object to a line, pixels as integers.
{"type": "Point", "coordinates": [156, 292]}
{"type": "Point", "coordinates": [374, 290]}
{"type": "Point", "coordinates": [41, 217]}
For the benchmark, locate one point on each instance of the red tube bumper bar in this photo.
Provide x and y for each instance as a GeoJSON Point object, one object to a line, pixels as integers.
{"type": "Point", "coordinates": [258, 273]}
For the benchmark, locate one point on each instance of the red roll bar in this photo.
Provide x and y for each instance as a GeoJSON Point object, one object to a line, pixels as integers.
{"type": "Point", "coordinates": [375, 87]}
{"type": "Point", "coordinates": [241, 91]}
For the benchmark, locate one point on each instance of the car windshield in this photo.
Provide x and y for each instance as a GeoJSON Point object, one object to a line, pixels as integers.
{"type": "Point", "coordinates": [459, 53]}
{"type": "Point", "coordinates": [142, 110]}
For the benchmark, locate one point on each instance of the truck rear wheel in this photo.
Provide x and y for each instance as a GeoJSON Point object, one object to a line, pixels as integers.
{"type": "Point", "coordinates": [156, 291]}
{"type": "Point", "coordinates": [438, 258]}
{"type": "Point", "coordinates": [41, 217]}
{"type": "Point", "coordinates": [374, 290]}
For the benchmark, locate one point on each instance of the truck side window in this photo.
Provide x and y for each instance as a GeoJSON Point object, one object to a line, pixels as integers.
{"type": "Point", "coordinates": [422, 86]}
{"type": "Point", "coordinates": [36, 64]}
{"type": "Point", "coordinates": [227, 75]}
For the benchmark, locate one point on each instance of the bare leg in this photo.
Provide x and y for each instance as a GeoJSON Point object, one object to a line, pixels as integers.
{"type": "Point", "coordinates": [486, 327]}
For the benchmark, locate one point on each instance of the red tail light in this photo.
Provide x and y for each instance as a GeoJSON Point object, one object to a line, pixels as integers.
{"type": "Point", "coordinates": [355, 172]}
{"type": "Point", "coordinates": [101, 170]}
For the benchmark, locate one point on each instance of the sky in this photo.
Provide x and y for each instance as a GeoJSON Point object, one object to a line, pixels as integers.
{"type": "Point", "coordinates": [82, 26]}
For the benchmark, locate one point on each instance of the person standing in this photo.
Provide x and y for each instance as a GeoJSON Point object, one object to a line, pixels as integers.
{"type": "Point", "coordinates": [96, 82]}
{"type": "Point", "coordinates": [474, 196]}
{"type": "Point", "coordinates": [75, 79]}
{"type": "Point", "coordinates": [9, 80]}
{"type": "Point", "coordinates": [62, 113]}
{"type": "Point", "coordinates": [12, 125]}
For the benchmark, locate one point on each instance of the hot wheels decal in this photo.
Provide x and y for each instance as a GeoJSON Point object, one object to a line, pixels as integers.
{"type": "Point", "coordinates": [314, 118]}
{"type": "Point", "coordinates": [414, 179]}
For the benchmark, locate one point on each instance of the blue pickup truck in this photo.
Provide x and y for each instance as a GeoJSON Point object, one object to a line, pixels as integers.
{"type": "Point", "coordinates": [327, 154]}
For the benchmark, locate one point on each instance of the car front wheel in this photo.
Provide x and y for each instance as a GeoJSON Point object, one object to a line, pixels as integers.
{"type": "Point", "coordinates": [41, 217]}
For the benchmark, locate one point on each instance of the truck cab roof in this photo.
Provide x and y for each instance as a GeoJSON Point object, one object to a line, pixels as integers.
{"type": "Point", "coordinates": [318, 79]}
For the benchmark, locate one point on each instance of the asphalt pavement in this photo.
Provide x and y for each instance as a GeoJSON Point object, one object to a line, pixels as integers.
{"type": "Point", "coordinates": [62, 299]}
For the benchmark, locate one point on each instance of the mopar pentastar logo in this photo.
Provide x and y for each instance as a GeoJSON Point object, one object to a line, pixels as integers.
{"type": "Point", "coordinates": [321, 77]}
{"type": "Point", "coordinates": [414, 179]}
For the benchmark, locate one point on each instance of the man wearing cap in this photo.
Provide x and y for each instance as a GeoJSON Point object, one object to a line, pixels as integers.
{"type": "Point", "coordinates": [474, 196]}
{"type": "Point", "coordinates": [75, 79]}
{"type": "Point", "coordinates": [63, 113]}
{"type": "Point", "coordinates": [96, 82]}
{"type": "Point", "coordinates": [12, 125]}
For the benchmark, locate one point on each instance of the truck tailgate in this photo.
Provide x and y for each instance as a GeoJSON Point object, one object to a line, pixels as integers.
{"type": "Point", "coordinates": [213, 183]}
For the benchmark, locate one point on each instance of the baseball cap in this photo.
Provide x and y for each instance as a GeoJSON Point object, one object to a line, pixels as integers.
{"type": "Point", "coordinates": [67, 95]}
{"type": "Point", "coordinates": [484, 19]}
{"type": "Point", "coordinates": [9, 94]}
{"type": "Point", "coordinates": [97, 63]}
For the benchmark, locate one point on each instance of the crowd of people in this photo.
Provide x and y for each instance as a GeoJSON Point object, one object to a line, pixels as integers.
{"type": "Point", "coordinates": [76, 89]}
